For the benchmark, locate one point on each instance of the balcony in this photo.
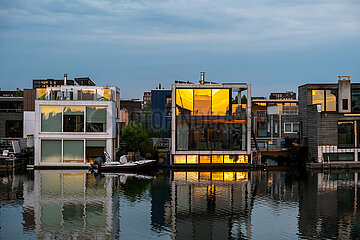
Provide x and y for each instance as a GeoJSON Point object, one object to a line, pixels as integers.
{"type": "Point", "coordinates": [76, 93]}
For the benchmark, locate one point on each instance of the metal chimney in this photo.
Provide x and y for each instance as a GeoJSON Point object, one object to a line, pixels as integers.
{"type": "Point", "coordinates": [65, 79]}
{"type": "Point", "coordinates": [202, 78]}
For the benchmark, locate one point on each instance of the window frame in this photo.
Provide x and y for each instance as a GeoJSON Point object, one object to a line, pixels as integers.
{"type": "Point", "coordinates": [324, 101]}
{"type": "Point", "coordinates": [291, 127]}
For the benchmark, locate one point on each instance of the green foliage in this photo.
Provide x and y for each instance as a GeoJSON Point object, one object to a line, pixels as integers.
{"type": "Point", "coordinates": [136, 138]}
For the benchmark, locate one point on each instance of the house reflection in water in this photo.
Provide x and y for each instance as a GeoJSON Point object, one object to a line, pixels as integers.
{"type": "Point", "coordinates": [211, 205]}
{"type": "Point", "coordinates": [329, 205]}
{"type": "Point", "coordinates": [73, 204]}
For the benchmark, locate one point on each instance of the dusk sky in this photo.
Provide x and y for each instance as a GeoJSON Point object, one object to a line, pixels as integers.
{"type": "Point", "coordinates": [275, 45]}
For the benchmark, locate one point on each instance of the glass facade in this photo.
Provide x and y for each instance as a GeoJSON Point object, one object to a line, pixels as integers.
{"type": "Point", "coordinates": [51, 117]}
{"type": "Point", "coordinates": [96, 119]}
{"type": "Point", "coordinates": [73, 119]}
{"type": "Point", "coordinates": [205, 120]}
{"type": "Point", "coordinates": [346, 135]}
{"type": "Point", "coordinates": [74, 151]}
{"type": "Point", "coordinates": [327, 99]}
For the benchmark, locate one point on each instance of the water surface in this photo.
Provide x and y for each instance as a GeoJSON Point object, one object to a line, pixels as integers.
{"type": "Point", "coordinates": [181, 205]}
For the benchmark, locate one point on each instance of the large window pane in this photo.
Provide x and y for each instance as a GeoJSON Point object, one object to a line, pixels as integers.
{"type": "Point", "coordinates": [74, 151]}
{"type": "Point", "coordinates": [355, 100]}
{"type": "Point", "coordinates": [50, 150]}
{"type": "Point", "coordinates": [184, 101]}
{"type": "Point", "coordinates": [217, 158]}
{"type": "Point", "coordinates": [318, 98]}
{"type": "Point", "coordinates": [96, 119]}
{"type": "Point", "coordinates": [94, 149]}
{"type": "Point", "coordinates": [205, 159]}
{"type": "Point", "coordinates": [346, 134]}
{"type": "Point", "coordinates": [220, 101]}
{"type": "Point", "coordinates": [202, 102]}
{"type": "Point", "coordinates": [73, 119]}
{"type": "Point", "coordinates": [331, 100]}
{"type": "Point", "coordinates": [51, 118]}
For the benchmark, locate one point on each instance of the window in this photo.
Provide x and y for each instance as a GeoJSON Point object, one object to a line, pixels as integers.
{"type": "Point", "coordinates": [180, 159]}
{"type": "Point", "coordinates": [74, 151]}
{"type": "Point", "coordinates": [345, 104]}
{"type": "Point", "coordinates": [96, 119]}
{"type": "Point", "coordinates": [220, 101]}
{"type": "Point", "coordinates": [355, 100]}
{"type": "Point", "coordinates": [346, 136]}
{"type": "Point", "coordinates": [318, 98]}
{"type": "Point", "coordinates": [326, 98]}
{"type": "Point", "coordinates": [13, 128]}
{"type": "Point", "coordinates": [94, 149]}
{"type": "Point", "coordinates": [330, 100]}
{"type": "Point", "coordinates": [51, 151]}
{"type": "Point", "coordinates": [73, 119]}
{"type": "Point", "coordinates": [51, 117]}
{"type": "Point", "coordinates": [202, 102]}
{"type": "Point", "coordinates": [167, 105]}
{"type": "Point", "coordinates": [103, 94]}
{"type": "Point", "coordinates": [184, 101]}
{"type": "Point", "coordinates": [86, 94]}
{"type": "Point", "coordinates": [291, 127]}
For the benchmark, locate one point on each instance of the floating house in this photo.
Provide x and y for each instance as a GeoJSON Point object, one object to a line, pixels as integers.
{"type": "Point", "coordinates": [209, 124]}
{"type": "Point", "coordinates": [75, 123]}
{"type": "Point", "coordinates": [330, 120]}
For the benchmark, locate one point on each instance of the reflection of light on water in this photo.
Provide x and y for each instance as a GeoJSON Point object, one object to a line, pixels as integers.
{"type": "Point", "coordinates": [194, 176]}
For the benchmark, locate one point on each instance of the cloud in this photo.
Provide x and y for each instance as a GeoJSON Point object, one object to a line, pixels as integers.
{"type": "Point", "coordinates": [200, 23]}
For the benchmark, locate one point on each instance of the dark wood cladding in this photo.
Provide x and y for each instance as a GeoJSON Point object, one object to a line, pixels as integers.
{"type": "Point", "coordinates": [29, 99]}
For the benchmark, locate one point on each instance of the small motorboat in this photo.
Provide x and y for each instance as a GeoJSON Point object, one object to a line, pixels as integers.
{"type": "Point", "coordinates": [122, 165]}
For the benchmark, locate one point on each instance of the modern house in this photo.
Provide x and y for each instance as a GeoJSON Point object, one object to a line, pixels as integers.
{"type": "Point", "coordinates": [330, 120]}
{"type": "Point", "coordinates": [209, 124]}
{"type": "Point", "coordinates": [75, 123]}
{"type": "Point", "coordinates": [275, 121]}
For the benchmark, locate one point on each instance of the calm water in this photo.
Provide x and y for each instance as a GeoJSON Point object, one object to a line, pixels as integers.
{"type": "Point", "coordinates": [180, 205]}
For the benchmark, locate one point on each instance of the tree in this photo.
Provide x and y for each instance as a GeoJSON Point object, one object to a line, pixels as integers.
{"type": "Point", "coordinates": [136, 139]}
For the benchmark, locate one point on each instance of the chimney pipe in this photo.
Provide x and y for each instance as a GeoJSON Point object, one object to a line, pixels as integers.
{"type": "Point", "coordinates": [65, 79]}
{"type": "Point", "coordinates": [202, 78]}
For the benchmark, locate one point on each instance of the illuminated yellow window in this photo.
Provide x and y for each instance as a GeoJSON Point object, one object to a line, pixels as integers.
{"type": "Point", "coordinates": [202, 102]}
{"type": "Point", "coordinates": [217, 176]}
{"type": "Point", "coordinates": [229, 176]}
{"type": "Point", "coordinates": [242, 176]}
{"type": "Point", "coordinates": [192, 176]}
{"type": "Point", "coordinates": [179, 176]}
{"type": "Point", "coordinates": [220, 101]}
{"type": "Point", "coordinates": [192, 159]}
{"type": "Point", "coordinates": [242, 159]}
{"type": "Point", "coordinates": [217, 158]}
{"type": "Point", "coordinates": [205, 159]}
{"type": "Point", "coordinates": [179, 159]}
{"type": "Point", "coordinates": [103, 94]}
{"type": "Point", "coordinates": [228, 159]}
{"type": "Point", "coordinates": [330, 100]}
{"type": "Point", "coordinates": [205, 176]}
{"type": "Point", "coordinates": [184, 101]}
{"type": "Point", "coordinates": [41, 93]}
{"type": "Point", "coordinates": [318, 98]}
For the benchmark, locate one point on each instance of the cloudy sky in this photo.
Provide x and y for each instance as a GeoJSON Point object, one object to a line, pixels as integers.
{"type": "Point", "coordinates": [276, 45]}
